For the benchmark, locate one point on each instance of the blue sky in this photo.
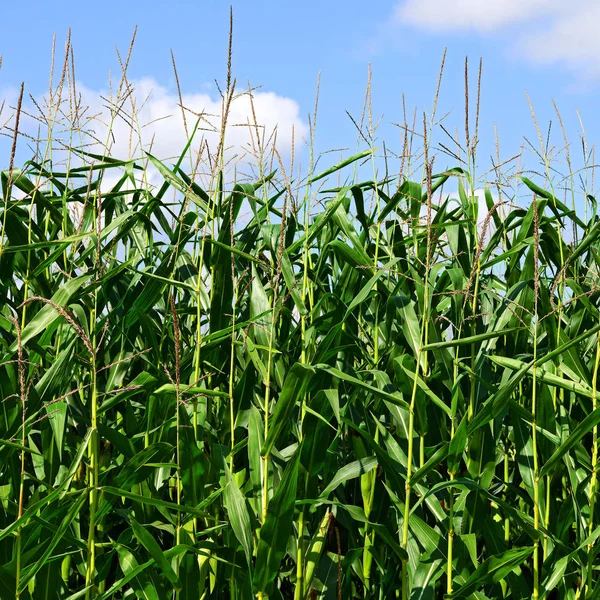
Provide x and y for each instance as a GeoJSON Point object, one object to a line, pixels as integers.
{"type": "Point", "coordinates": [545, 47]}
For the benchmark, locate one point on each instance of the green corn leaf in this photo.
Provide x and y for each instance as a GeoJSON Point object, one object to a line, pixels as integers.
{"type": "Point", "coordinates": [293, 389]}
{"type": "Point", "coordinates": [146, 540]}
{"type": "Point", "coordinates": [276, 529]}
{"type": "Point", "coordinates": [238, 514]}
{"type": "Point", "coordinates": [493, 569]}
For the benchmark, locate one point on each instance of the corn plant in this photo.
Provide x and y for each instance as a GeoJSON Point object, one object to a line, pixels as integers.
{"type": "Point", "coordinates": [296, 387]}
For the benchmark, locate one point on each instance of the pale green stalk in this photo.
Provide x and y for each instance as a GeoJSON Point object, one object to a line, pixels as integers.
{"type": "Point", "coordinates": [178, 483]}
{"type": "Point", "coordinates": [536, 482]}
{"type": "Point", "coordinates": [231, 380]}
{"type": "Point", "coordinates": [561, 283]}
{"type": "Point", "coordinates": [411, 422]}
{"type": "Point", "coordinates": [23, 399]}
{"type": "Point", "coordinates": [94, 439]}
{"type": "Point", "coordinates": [536, 478]}
{"type": "Point", "coordinates": [94, 444]}
{"type": "Point", "coordinates": [267, 408]}
{"type": "Point", "coordinates": [421, 356]}
{"type": "Point", "coordinates": [94, 457]}
{"type": "Point", "coordinates": [451, 475]}
{"type": "Point", "coordinates": [232, 352]}
{"type": "Point", "coordinates": [300, 591]}
{"type": "Point", "coordinates": [274, 318]}
{"type": "Point", "coordinates": [506, 480]}
{"type": "Point", "coordinates": [594, 481]}
{"type": "Point", "coordinates": [369, 536]}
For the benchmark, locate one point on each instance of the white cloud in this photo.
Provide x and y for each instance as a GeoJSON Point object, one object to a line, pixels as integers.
{"type": "Point", "coordinates": [159, 125]}
{"type": "Point", "coordinates": [443, 15]}
{"type": "Point", "coordinates": [160, 121]}
{"type": "Point", "coordinates": [572, 37]}
{"type": "Point", "coordinates": [159, 128]}
{"type": "Point", "coordinates": [542, 31]}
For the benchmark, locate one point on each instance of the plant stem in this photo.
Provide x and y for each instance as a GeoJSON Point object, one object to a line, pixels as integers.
{"type": "Point", "coordinates": [94, 457]}
{"type": "Point", "coordinates": [594, 481]}
{"type": "Point", "coordinates": [536, 478]}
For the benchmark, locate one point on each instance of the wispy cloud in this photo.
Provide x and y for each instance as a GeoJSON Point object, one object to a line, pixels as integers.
{"type": "Point", "coordinates": [542, 31]}
{"type": "Point", "coordinates": [571, 37]}
{"type": "Point", "coordinates": [472, 15]}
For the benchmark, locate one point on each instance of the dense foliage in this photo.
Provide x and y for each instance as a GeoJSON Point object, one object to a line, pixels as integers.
{"type": "Point", "coordinates": [380, 389]}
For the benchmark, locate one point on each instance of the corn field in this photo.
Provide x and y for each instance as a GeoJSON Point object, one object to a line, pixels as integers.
{"type": "Point", "coordinates": [297, 387]}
